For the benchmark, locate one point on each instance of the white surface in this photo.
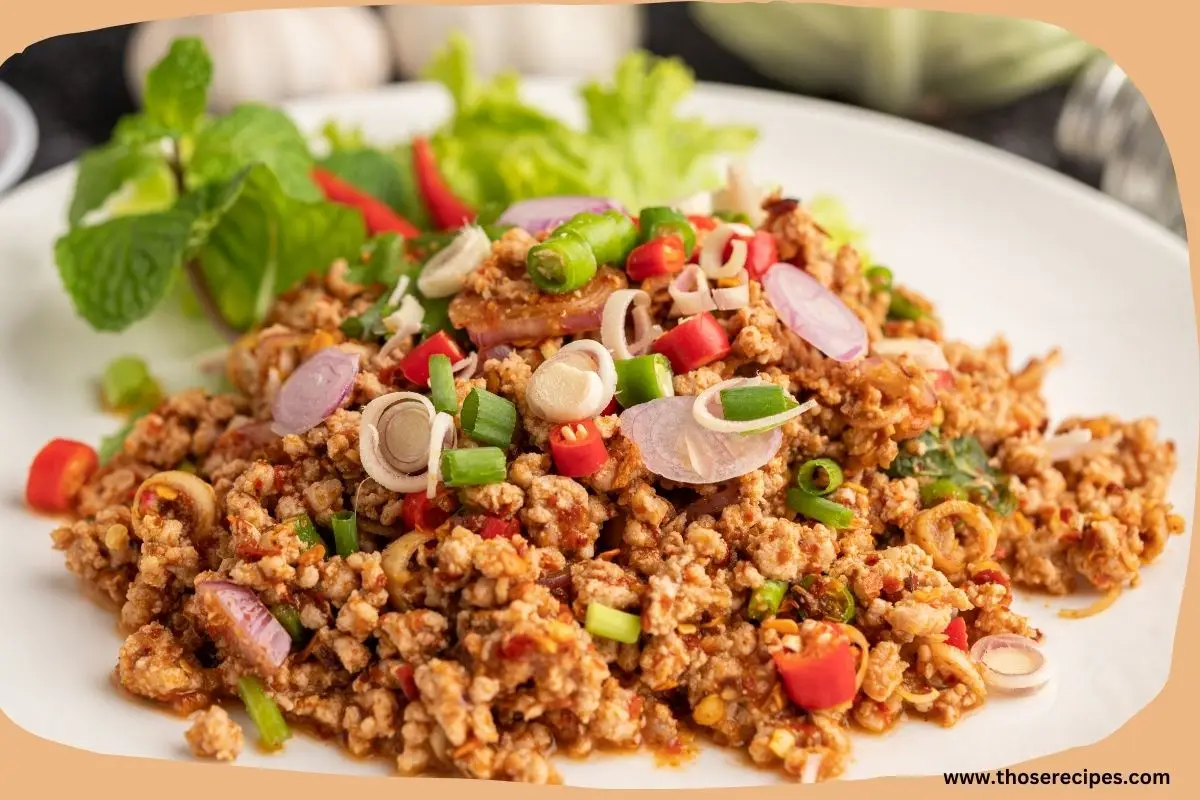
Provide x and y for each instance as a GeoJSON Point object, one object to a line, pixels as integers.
{"type": "Point", "coordinates": [18, 137]}
{"type": "Point", "coordinates": [999, 244]}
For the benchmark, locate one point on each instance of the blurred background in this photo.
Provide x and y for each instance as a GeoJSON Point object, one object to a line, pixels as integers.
{"type": "Point", "coordinates": [1029, 88]}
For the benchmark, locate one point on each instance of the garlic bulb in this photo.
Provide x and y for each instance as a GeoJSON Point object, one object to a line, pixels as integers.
{"type": "Point", "coordinates": [273, 56]}
{"type": "Point", "coordinates": [573, 41]}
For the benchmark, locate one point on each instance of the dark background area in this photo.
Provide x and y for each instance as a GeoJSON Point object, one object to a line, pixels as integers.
{"type": "Point", "coordinates": [76, 87]}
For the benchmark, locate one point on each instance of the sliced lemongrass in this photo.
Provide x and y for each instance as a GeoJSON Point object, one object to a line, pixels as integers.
{"type": "Point", "coordinates": [393, 440]}
{"type": "Point", "coordinates": [403, 323]}
{"type": "Point", "coordinates": [712, 259]}
{"type": "Point", "coordinates": [926, 353]}
{"type": "Point", "coordinates": [576, 383]}
{"type": "Point", "coordinates": [702, 410]}
{"type": "Point", "coordinates": [739, 194]}
{"type": "Point", "coordinates": [612, 324]}
{"type": "Point", "coordinates": [445, 273]}
{"type": "Point", "coordinates": [690, 293]}
{"type": "Point", "coordinates": [1011, 663]}
{"type": "Point", "coordinates": [441, 433]}
{"type": "Point", "coordinates": [465, 368]}
{"type": "Point", "coordinates": [401, 289]}
{"type": "Point", "coordinates": [731, 298]}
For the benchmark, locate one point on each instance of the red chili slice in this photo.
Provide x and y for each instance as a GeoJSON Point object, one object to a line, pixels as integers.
{"type": "Point", "coordinates": [823, 674]}
{"type": "Point", "coordinates": [699, 341]}
{"type": "Point", "coordinates": [57, 473]}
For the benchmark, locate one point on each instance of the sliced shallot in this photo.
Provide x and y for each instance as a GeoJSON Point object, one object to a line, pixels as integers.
{"type": "Point", "coordinates": [689, 289]}
{"type": "Point", "coordinates": [676, 447]}
{"type": "Point", "coordinates": [926, 353]}
{"type": "Point", "coordinates": [712, 254]}
{"type": "Point", "coordinates": [1011, 663]}
{"type": "Point", "coordinates": [314, 391]}
{"type": "Point", "coordinates": [394, 436]}
{"type": "Point", "coordinates": [612, 326]}
{"type": "Point", "coordinates": [546, 213]}
{"type": "Point", "coordinates": [731, 298]}
{"type": "Point", "coordinates": [815, 314]}
{"type": "Point", "coordinates": [444, 274]}
{"type": "Point", "coordinates": [467, 367]}
{"type": "Point", "coordinates": [441, 433]}
{"type": "Point", "coordinates": [1076, 442]}
{"type": "Point", "coordinates": [234, 615]}
{"type": "Point", "coordinates": [576, 383]}
{"type": "Point", "coordinates": [702, 409]}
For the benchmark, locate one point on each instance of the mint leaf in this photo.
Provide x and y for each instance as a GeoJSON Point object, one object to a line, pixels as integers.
{"type": "Point", "coordinates": [962, 461]}
{"type": "Point", "coordinates": [138, 129]}
{"type": "Point", "coordinates": [377, 174]}
{"type": "Point", "coordinates": [117, 272]}
{"type": "Point", "coordinates": [105, 170]}
{"type": "Point", "coordinates": [177, 86]}
{"type": "Point", "coordinates": [253, 134]}
{"type": "Point", "coordinates": [384, 259]}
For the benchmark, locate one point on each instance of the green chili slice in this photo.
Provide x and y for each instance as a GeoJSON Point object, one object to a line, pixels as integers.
{"type": "Point", "coordinates": [824, 511]}
{"type": "Point", "coordinates": [441, 384]}
{"type": "Point", "coordinates": [745, 403]}
{"type": "Point", "coordinates": [659, 221]}
{"type": "Point", "coordinates": [609, 623]}
{"type": "Point", "coordinates": [765, 600]}
{"type": "Point", "coordinates": [834, 599]}
{"type": "Point", "coordinates": [306, 532]}
{"type": "Point", "coordinates": [563, 263]}
{"type": "Point", "coordinates": [643, 378]}
{"type": "Point", "coordinates": [880, 278]}
{"type": "Point", "coordinates": [903, 308]}
{"type": "Point", "coordinates": [489, 418]}
{"type": "Point", "coordinates": [941, 489]}
{"type": "Point", "coordinates": [807, 477]}
{"type": "Point", "coordinates": [345, 533]}
{"type": "Point", "coordinates": [273, 731]}
{"type": "Point", "coordinates": [289, 618]}
{"type": "Point", "coordinates": [473, 466]}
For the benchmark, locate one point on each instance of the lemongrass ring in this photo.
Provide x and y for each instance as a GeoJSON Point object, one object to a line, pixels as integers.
{"type": "Point", "coordinates": [446, 273]}
{"type": "Point", "coordinates": [466, 367]}
{"type": "Point", "coordinates": [559, 391]}
{"type": "Point", "coordinates": [1011, 663]}
{"type": "Point", "coordinates": [712, 259]}
{"type": "Point", "coordinates": [393, 440]}
{"type": "Point", "coordinates": [595, 355]}
{"type": "Point", "coordinates": [690, 293]}
{"type": "Point", "coordinates": [948, 658]}
{"type": "Point", "coordinates": [380, 472]}
{"type": "Point", "coordinates": [702, 410]}
{"type": "Point", "coordinates": [926, 353]}
{"type": "Point", "coordinates": [403, 323]}
{"type": "Point", "coordinates": [612, 324]}
{"type": "Point", "coordinates": [857, 638]}
{"type": "Point", "coordinates": [731, 298]}
{"type": "Point", "coordinates": [441, 432]}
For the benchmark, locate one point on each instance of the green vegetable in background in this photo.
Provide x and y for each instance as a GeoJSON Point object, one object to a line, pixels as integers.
{"type": "Point", "coordinates": [239, 215]}
{"type": "Point", "coordinates": [961, 462]}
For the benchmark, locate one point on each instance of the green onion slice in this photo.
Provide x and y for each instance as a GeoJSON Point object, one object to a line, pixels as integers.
{"type": "Point", "coordinates": [609, 623]}
{"type": "Point", "coordinates": [273, 731]}
{"type": "Point", "coordinates": [824, 511]}
{"type": "Point", "coordinates": [941, 489]}
{"type": "Point", "coordinates": [473, 466]}
{"type": "Point", "coordinates": [489, 418]}
{"type": "Point", "coordinates": [834, 599]}
{"type": "Point", "coordinates": [745, 403]}
{"type": "Point", "coordinates": [807, 476]}
{"type": "Point", "coordinates": [880, 278]}
{"type": "Point", "coordinates": [441, 384]}
{"type": "Point", "coordinates": [643, 378]}
{"type": "Point", "coordinates": [345, 533]}
{"type": "Point", "coordinates": [765, 600]}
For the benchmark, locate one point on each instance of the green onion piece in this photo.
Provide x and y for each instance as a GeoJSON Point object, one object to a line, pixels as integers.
{"type": "Point", "coordinates": [834, 598]}
{"type": "Point", "coordinates": [345, 533]}
{"type": "Point", "coordinates": [562, 263]}
{"type": "Point", "coordinates": [289, 618]}
{"type": "Point", "coordinates": [807, 474]}
{"type": "Point", "coordinates": [306, 532]}
{"type": "Point", "coordinates": [609, 623]}
{"type": "Point", "coordinates": [941, 489]}
{"type": "Point", "coordinates": [880, 279]}
{"type": "Point", "coordinates": [489, 418]}
{"type": "Point", "coordinates": [754, 402]}
{"type": "Point", "coordinates": [659, 221]}
{"type": "Point", "coordinates": [473, 466]}
{"type": "Point", "coordinates": [441, 384]}
{"type": "Point", "coordinates": [824, 511]}
{"type": "Point", "coordinates": [643, 378]}
{"type": "Point", "coordinates": [765, 600]}
{"type": "Point", "coordinates": [128, 383]}
{"type": "Point", "coordinates": [732, 216]}
{"type": "Point", "coordinates": [273, 731]}
{"type": "Point", "coordinates": [903, 308]}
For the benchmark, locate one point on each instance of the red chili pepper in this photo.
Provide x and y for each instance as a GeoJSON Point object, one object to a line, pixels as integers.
{"type": "Point", "coordinates": [956, 633]}
{"type": "Point", "coordinates": [822, 675]}
{"type": "Point", "coordinates": [377, 215]}
{"type": "Point", "coordinates": [991, 576]}
{"type": "Point", "coordinates": [423, 514]}
{"type": "Point", "coordinates": [408, 683]}
{"type": "Point", "coordinates": [942, 379]}
{"type": "Point", "coordinates": [497, 528]}
{"type": "Point", "coordinates": [611, 408]}
{"type": "Point", "coordinates": [699, 341]}
{"type": "Point", "coordinates": [415, 366]}
{"type": "Point", "coordinates": [661, 256]}
{"type": "Point", "coordinates": [445, 209]}
{"type": "Point", "coordinates": [578, 448]}
{"type": "Point", "coordinates": [761, 254]}
{"type": "Point", "coordinates": [58, 471]}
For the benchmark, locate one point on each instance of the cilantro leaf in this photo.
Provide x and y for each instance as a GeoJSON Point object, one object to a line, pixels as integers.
{"type": "Point", "coordinates": [962, 461]}
{"type": "Point", "coordinates": [253, 134]}
{"type": "Point", "coordinates": [118, 271]}
{"type": "Point", "coordinates": [177, 87]}
{"type": "Point", "coordinates": [106, 170]}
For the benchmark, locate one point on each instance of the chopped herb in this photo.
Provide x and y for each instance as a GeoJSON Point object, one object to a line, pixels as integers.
{"type": "Point", "coordinates": [962, 461]}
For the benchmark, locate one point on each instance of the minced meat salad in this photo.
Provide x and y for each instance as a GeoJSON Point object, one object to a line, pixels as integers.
{"type": "Point", "coordinates": [595, 481]}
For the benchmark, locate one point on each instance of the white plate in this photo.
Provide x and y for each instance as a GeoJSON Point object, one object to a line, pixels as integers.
{"type": "Point", "coordinates": [999, 244]}
{"type": "Point", "coordinates": [18, 137]}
